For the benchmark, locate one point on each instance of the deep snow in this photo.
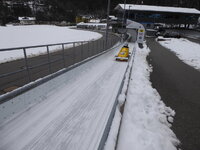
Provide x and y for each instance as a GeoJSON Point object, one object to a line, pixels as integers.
{"type": "Point", "coordinates": [187, 51]}
{"type": "Point", "coordinates": [32, 35]}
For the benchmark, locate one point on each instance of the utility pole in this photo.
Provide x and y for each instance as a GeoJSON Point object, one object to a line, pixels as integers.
{"type": "Point", "coordinates": [107, 27]}
{"type": "Point", "coordinates": [123, 19]}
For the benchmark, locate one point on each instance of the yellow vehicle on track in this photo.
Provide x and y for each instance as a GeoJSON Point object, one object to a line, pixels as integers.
{"type": "Point", "coordinates": [123, 54]}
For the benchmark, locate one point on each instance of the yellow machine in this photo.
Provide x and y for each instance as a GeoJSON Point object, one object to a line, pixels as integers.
{"type": "Point", "coordinates": [81, 19]}
{"type": "Point", "coordinates": [123, 55]}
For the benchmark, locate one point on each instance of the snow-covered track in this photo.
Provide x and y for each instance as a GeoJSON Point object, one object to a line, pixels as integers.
{"type": "Point", "coordinates": [73, 110]}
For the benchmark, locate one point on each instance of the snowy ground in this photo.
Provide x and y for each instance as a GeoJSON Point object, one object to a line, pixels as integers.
{"type": "Point", "coordinates": [187, 51]}
{"type": "Point", "coordinates": [21, 36]}
{"type": "Point", "coordinates": [73, 109]}
{"type": "Point", "coordinates": [146, 120]}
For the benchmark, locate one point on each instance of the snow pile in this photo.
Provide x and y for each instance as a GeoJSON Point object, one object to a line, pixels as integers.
{"type": "Point", "coordinates": [22, 36]}
{"type": "Point", "coordinates": [187, 51]}
{"type": "Point", "coordinates": [146, 120]}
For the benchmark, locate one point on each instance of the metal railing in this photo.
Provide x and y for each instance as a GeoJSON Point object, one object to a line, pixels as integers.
{"type": "Point", "coordinates": [112, 113]}
{"type": "Point", "coordinates": [53, 58]}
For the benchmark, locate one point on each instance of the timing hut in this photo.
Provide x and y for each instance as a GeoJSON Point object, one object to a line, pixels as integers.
{"type": "Point", "coordinates": [148, 14]}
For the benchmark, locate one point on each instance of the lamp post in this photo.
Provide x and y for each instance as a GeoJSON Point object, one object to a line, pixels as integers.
{"type": "Point", "coordinates": [123, 20]}
{"type": "Point", "coordinates": [107, 21]}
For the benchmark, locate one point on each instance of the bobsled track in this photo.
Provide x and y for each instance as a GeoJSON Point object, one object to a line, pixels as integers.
{"type": "Point", "coordinates": [69, 111]}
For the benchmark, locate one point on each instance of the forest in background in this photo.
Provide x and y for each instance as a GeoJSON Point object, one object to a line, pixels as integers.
{"type": "Point", "coordinates": [67, 10]}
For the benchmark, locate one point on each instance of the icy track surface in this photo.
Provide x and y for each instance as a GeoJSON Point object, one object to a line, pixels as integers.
{"type": "Point", "coordinates": [187, 51]}
{"type": "Point", "coordinates": [74, 111]}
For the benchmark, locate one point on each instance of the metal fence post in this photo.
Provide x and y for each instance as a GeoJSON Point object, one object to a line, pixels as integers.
{"type": "Point", "coordinates": [26, 63]}
{"type": "Point", "coordinates": [88, 51]}
{"type": "Point", "coordinates": [109, 43]}
{"type": "Point", "coordinates": [63, 50]}
{"type": "Point", "coordinates": [81, 50]}
{"type": "Point", "coordinates": [74, 53]}
{"type": "Point", "coordinates": [98, 46]}
{"type": "Point", "coordinates": [103, 45]}
{"type": "Point", "coordinates": [112, 42]}
{"type": "Point", "coordinates": [49, 61]}
{"type": "Point", "coordinates": [93, 49]}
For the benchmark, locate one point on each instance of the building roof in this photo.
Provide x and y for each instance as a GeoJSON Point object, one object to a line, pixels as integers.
{"type": "Point", "coordinates": [27, 18]}
{"type": "Point", "coordinates": [157, 8]}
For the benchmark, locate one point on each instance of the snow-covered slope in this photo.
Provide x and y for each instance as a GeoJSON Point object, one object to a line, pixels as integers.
{"type": "Point", "coordinates": [21, 36]}
{"type": "Point", "coordinates": [73, 111]}
{"type": "Point", "coordinates": [187, 51]}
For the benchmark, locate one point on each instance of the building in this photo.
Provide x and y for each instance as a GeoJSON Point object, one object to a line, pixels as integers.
{"type": "Point", "coordinates": [27, 20]}
{"type": "Point", "coordinates": [148, 15]}
{"type": "Point", "coordinates": [94, 26]}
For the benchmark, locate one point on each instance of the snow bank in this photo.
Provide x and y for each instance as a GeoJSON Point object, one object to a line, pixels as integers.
{"type": "Point", "coordinates": [187, 51]}
{"type": "Point", "coordinates": [21, 36]}
{"type": "Point", "coordinates": [146, 120]}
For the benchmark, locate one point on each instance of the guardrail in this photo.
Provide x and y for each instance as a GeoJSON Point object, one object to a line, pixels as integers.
{"type": "Point", "coordinates": [112, 113]}
{"type": "Point", "coordinates": [13, 102]}
{"type": "Point", "coordinates": [53, 58]}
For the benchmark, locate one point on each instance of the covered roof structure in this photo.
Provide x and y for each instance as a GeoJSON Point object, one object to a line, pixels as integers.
{"type": "Point", "coordinates": [159, 14]}
{"type": "Point", "coordinates": [158, 9]}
